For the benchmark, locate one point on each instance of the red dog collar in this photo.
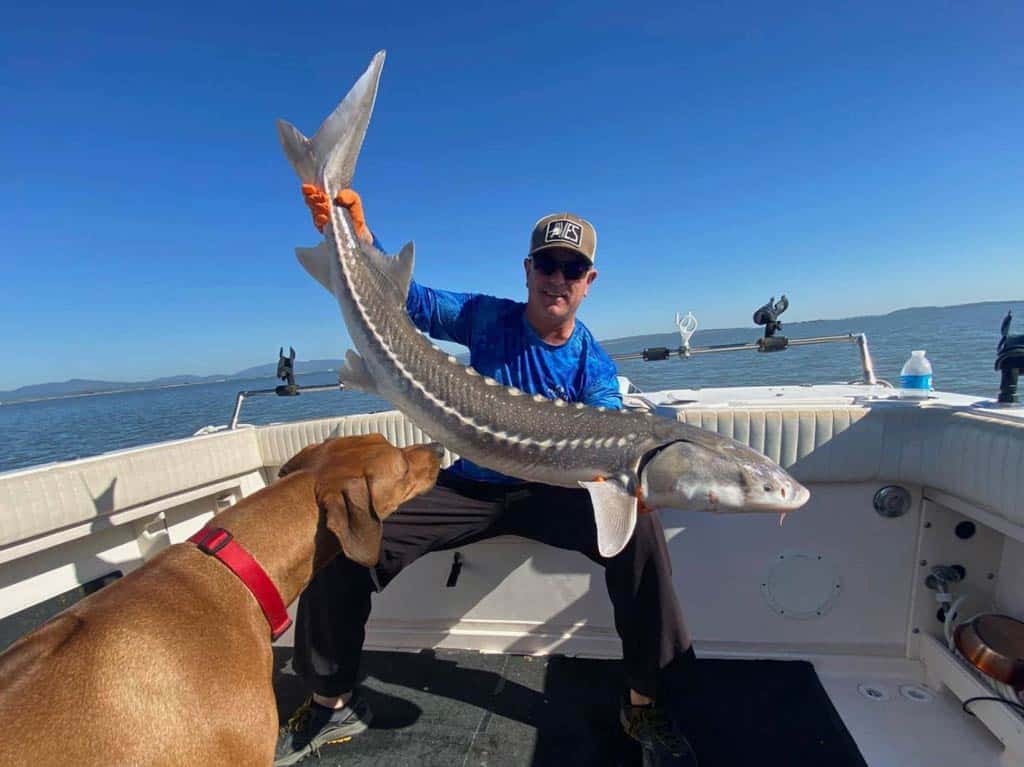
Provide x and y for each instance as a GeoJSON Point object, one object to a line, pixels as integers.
{"type": "Point", "coordinates": [219, 543]}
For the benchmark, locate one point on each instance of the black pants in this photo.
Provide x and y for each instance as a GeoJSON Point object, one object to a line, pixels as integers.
{"type": "Point", "coordinates": [334, 608]}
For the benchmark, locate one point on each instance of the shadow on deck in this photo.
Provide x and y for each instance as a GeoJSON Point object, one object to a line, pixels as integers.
{"type": "Point", "coordinates": [444, 707]}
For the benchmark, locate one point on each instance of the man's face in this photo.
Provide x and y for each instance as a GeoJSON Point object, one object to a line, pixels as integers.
{"type": "Point", "coordinates": [556, 296]}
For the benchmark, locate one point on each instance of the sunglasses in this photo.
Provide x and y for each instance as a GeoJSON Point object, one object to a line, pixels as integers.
{"type": "Point", "coordinates": [572, 270]}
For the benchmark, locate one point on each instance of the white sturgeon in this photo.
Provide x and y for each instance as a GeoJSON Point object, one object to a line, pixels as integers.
{"type": "Point", "coordinates": [620, 457]}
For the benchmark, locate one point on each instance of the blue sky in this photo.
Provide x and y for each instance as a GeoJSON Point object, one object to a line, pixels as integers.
{"type": "Point", "coordinates": [860, 157]}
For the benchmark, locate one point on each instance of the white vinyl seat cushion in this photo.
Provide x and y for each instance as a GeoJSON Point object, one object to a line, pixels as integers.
{"type": "Point", "coordinates": [967, 454]}
{"type": "Point", "coordinates": [976, 457]}
{"type": "Point", "coordinates": [279, 442]}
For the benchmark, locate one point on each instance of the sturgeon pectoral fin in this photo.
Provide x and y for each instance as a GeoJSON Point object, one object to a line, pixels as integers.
{"type": "Point", "coordinates": [317, 261]}
{"type": "Point", "coordinates": [355, 374]}
{"type": "Point", "coordinates": [614, 515]}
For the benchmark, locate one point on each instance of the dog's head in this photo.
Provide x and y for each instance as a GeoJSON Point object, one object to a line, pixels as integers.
{"type": "Point", "coordinates": [360, 481]}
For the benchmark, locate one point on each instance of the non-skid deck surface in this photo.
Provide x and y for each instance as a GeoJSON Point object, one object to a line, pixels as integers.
{"type": "Point", "coordinates": [467, 709]}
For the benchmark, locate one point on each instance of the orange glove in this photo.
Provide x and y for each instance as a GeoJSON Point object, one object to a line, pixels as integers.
{"type": "Point", "coordinates": [320, 208]}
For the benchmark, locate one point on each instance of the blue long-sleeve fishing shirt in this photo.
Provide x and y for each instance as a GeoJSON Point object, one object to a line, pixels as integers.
{"type": "Point", "coordinates": [503, 345]}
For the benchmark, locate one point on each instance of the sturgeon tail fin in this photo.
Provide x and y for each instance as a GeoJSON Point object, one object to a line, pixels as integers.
{"type": "Point", "coordinates": [329, 158]}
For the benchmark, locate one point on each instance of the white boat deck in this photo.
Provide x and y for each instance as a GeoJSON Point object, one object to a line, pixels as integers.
{"type": "Point", "coordinates": [898, 721]}
{"type": "Point", "coordinates": [813, 396]}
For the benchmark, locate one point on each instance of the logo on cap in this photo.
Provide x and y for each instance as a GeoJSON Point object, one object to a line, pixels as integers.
{"type": "Point", "coordinates": [562, 230]}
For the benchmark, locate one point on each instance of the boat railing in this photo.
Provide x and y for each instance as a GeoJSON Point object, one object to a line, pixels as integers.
{"type": "Point", "coordinates": [289, 391]}
{"type": "Point", "coordinates": [766, 344]}
{"type": "Point", "coordinates": [650, 354]}
{"type": "Point", "coordinates": [767, 315]}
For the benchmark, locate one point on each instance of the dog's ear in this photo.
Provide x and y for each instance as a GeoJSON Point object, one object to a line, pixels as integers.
{"type": "Point", "coordinates": [355, 512]}
{"type": "Point", "coordinates": [353, 518]}
{"type": "Point", "coordinates": [301, 460]}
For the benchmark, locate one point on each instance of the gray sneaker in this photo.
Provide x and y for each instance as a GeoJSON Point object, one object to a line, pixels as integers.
{"type": "Point", "coordinates": [652, 728]}
{"type": "Point", "coordinates": [313, 726]}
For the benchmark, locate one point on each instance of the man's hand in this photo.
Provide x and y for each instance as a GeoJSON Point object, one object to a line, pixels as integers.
{"type": "Point", "coordinates": [320, 208]}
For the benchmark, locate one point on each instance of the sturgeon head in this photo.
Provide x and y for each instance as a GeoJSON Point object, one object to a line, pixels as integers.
{"type": "Point", "coordinates": [730, 477]}
{"type": "Point", "coordinates": [621, 458]}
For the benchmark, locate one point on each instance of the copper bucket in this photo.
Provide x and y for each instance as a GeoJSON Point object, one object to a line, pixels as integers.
{"type": "Point", "coordinates": [995, 645]}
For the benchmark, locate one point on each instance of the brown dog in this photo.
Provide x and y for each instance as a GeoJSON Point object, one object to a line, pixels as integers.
{"type": "Point", "coordinates": [172, 664]}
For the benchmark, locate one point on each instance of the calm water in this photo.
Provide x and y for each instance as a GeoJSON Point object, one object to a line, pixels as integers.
{"type": "Point", "coordinates": [961, 344]}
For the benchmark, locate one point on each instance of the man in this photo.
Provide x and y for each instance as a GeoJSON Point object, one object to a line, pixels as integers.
{"type": "Point", "coordinates": [541, 348]}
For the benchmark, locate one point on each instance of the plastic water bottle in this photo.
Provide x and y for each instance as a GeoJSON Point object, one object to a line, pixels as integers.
{"type": "Point", "coordinates": [916, 376]}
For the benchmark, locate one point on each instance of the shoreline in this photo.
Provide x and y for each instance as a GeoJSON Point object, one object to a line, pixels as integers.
{"type": "Point", "coordinates": [129, 389]}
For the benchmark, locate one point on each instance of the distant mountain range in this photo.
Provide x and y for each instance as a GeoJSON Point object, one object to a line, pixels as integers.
{"type": "Point", "coordinates": [80, 386]}
{"type": "Point", "coordinates": [988, 312]}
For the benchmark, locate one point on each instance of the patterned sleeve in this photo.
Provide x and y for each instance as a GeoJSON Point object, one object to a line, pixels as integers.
{"type": "Point", "coordinates": [602, 382]}
{"type": "Point", "coordinates": [442, 314]}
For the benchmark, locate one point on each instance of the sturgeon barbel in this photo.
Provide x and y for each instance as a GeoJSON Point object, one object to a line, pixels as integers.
{"type": "Point", "coordinates": [623, 459]}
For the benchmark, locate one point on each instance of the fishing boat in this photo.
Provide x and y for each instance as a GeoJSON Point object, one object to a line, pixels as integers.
{"type": "Point", "coordinates": [835, 638]}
